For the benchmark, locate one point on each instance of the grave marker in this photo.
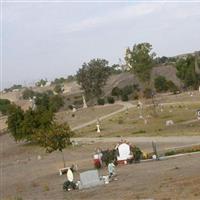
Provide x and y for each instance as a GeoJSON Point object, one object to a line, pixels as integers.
{"type": "Point", "coordinates": [89, 179]}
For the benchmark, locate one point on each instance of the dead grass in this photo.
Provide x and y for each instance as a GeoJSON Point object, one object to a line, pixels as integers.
{"type": "Point", "coordinates": [129, 124]}
{"type": "Point", "coordinates": [85, 115]}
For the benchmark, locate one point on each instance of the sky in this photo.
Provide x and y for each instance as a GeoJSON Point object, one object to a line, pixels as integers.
{"type": "Point", "coordinates": [49, 39]}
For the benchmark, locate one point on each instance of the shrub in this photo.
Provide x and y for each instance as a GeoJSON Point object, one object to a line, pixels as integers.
{"type": "Point", "coordinates": [147, 93]}
{"type": "Point", "coordinates": [110, 99]}
{"type": "Point", "coordinates": [4, 106]}
{"type": "Point", "coordinates": [127, 90]}
{"type": "Point", "coordinates": [116, 92]}
{"type": "Point", "coordinates": [27, 94]}
{"type": "Point", "coordinates": [124, 97]}
{"type": "Point", "coordinates": [100, 101]}
{"type": "Point", "coordinates": [70, 107]}
{"type": "Point", "coordinates": [172, 87]}
{"type": "Point", "coordinates": [137, 153]}
{"type": "Point", "coordinates": [161, 84]}
{"type": "Point", "coordinates": [58, 89]}
{"type": "Point", "coordinates": [55, 103]}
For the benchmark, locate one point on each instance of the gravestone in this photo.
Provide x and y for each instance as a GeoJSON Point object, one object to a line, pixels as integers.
{"type": "Point", "coordinates": [89, 179]}
{"type": "Point", "coordinates": [98, 128]}
{"type": "Point", "coordinates": [84, 102]}
{"type": "Point", "coordinates": [169, 123]}
{"type": "Point", "coordinates": [198, 114]}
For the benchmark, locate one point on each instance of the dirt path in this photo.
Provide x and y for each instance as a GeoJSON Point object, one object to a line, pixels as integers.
{"type": "Point", "coordinates": [126, 105]}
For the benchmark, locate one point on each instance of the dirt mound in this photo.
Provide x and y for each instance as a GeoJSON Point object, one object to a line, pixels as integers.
{"type": "Point", "coordinates": [120, 80]}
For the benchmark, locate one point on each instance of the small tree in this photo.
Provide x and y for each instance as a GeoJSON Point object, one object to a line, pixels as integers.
{"type": "Point", "coordinates": [5, 106]}
{"type": "Point", "coordinates": [161, 84]}
{"type": "Point", "coordinates": [116, 92]}
{"type": "Point", "coordinates": [100, 101]}
{"type": "Point", "coordinates": [14, 121]}
{"type": "Point", "coordinates": [41, 82]}
{"type": "Point", "coordinates": [56, 137]}
{"type": "Point", "coordinates": [27, 93]}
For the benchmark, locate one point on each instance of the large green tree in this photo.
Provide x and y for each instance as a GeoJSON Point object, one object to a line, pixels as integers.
{"type": "Point", "coordinates": [93, 76]}
{"type": "Point", "coordinates": [186, 72]}
{"type": "Point", "coordinates": [140, 60]}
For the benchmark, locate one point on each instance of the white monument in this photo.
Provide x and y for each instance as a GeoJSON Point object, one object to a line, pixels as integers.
{"type": "Point", "coordinates": [98, 128]}
{"type": "Point", "coordinates": [124, 152]}
{"type": "Point", "coordinates": [84, 102]}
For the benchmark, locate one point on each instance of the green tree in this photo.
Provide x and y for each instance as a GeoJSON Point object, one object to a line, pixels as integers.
{"type": "Point", "coordinates": [14, 122]}
{"type": "Point", "coordinates": [56, 137]}
{"type": "Point", "coordinates": [41, 82]}
{"type": "Point", "coordinates": [140, 60]}
{"type": "Point", "coordinates": [186, 72]}
{"type": "Point", "coordinates": [160, 83]}
{"type": "Point", "coordinates": [28, 93]}
{"type": "Point", "coordinates": [93, 76]}
{"type": "Point", "coordinates": [56, 102]}
{"type": "Point", "coordinates": [116, 92]}
{"type": "Point", "coordinates": [5, 106]}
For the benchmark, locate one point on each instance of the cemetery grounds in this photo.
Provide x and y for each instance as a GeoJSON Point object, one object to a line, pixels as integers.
{"type": "Point", "coordinates": [26, 175]}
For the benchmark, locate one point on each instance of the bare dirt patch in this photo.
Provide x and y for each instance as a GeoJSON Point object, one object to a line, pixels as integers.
{"type": "Point", "coordinates": [23, 175]}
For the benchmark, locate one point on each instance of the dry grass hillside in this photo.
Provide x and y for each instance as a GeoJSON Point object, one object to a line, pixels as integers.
{"type": "Point", "coordinates": [127, 78]}
{"type": "Point", "coordinates": [168, 71]}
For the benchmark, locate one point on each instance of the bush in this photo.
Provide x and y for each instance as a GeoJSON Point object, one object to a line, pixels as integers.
{"type": "Point", "coordinates": [4, 106]}
{"type": "Point", "coordinates": [70, 107]}
{"type": "Point", "coordinates": [147, 93]}
{"type": "Point", "coordinates": [161, 84]}
{"type": "Point", "coordinates": [137, 153]}
{"type": "Point", "coordinates": [127, 90]}
{"type": "Point", "coordinates": [100, 101]}
{"type": "Point", "coordinates": [58, 89]}
{"type": "Point", "coordinates": [27, 94]}
{"type": "Point", "coordinates": [172, 87]}
{"type": "Point", "coordinates": [110, 99]}
{"type": "Point", "coordinates": [116, 92]}
{"type": "Point", "coordinates": [55, 103]}
{"type": "Point", "coordinates": [124, 97]}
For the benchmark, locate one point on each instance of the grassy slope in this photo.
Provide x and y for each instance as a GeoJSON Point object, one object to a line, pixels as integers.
{"type": "Point", "coordinates": [129, 124]}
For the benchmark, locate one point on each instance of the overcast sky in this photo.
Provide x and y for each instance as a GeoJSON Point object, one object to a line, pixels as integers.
{"type": "Point", "coordinates": [53, 39]}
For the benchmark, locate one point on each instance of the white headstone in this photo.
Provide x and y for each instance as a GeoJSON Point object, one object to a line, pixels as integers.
{"type": "Point", "coordinates": [84, 102]}
{"type": "Point", "coordinates": [124, 152]}
{"type": "Point", "coordinates": [98, 128]}
{"type": "Point", "coordinates": [169, 123]}
{"type": "Point", "coordinates": [70, 175]}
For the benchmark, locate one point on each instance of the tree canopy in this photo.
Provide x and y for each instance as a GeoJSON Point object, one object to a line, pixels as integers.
{"type": "Point", "coordinates": [140, 60]}
{"type": "Point", "coordinates": [93, 76]}
{"type": "Point", "coordinates": [186, 72]}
